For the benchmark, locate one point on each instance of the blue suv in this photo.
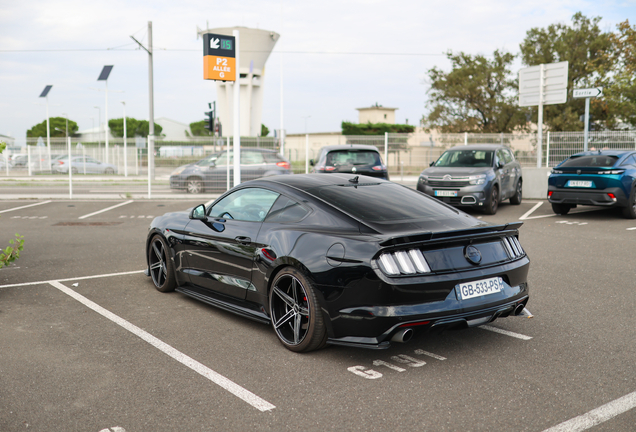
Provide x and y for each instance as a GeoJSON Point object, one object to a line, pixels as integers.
{"type": "Point", "coordinates": [600, 178]}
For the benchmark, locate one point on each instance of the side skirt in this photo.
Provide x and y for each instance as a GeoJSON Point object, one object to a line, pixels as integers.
{"type": "Point", "coordinates": [225, 304]}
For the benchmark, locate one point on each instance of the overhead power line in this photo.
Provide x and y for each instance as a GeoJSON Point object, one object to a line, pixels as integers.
{"type": "Point", "coordinates": [197, 50]}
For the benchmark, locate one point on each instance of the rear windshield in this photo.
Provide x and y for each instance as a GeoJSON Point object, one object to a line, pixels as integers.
{"type": "Point", "coordinates": [590, 161]}
{"type": "Point", "coordinates": [465, 158]}
{"type": "Point", "coordinates": [383, 202]}
{"type": "Point", "coordinates": [353, 157]}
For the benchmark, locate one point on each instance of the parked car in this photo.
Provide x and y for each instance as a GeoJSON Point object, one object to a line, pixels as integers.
{"type": "Point", "coordinates": [82, 164]}
{"type": "Point", "coordinates": [604, 178]}
{"type": "Point", "coordinates": [211, 173]}
{"type": "Point", "coordinates": [474, 176]}
{"type": "Point", "coordinates": [340, 259]}
{"type": "Point", "coordinates": [19, 160]}
{"type": "Point", "coordinates": [351, 159]}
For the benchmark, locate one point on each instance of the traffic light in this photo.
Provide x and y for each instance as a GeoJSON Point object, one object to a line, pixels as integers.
{"type": "Point", "coordinates": [218, 129]}
{"type": "Point", "coordinates": [209, 121]}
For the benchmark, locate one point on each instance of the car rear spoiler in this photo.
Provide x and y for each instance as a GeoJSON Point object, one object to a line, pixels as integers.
{"type": "Point", "coordinates": [451, 235]}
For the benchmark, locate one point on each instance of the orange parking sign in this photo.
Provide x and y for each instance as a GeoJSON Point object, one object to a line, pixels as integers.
{"type": "Point", "coordinates": [219, 68]}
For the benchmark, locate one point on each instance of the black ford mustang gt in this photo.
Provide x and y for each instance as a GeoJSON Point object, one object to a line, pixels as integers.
{"type": "Point", "coordinates": [340, 259]}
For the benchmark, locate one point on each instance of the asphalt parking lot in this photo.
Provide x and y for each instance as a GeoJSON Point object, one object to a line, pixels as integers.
{"type": "Point", "coordinates": [88, 344]}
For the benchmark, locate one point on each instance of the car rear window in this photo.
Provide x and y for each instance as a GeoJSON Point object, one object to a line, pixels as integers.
{"type": "Point", "coordinates": [465, 158]}
{"type": "Point", "coordinates": [353, 157]}
{"type": "Point", "coordinates": [382, 202]}
{"type": "Point", "coordinates": [590, 161]}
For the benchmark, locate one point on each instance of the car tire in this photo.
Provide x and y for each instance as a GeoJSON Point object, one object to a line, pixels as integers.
{"type": "Point", "coordinates": [74, 170]}
{"type": "Point", "coordinates": [560, 209]}
{"type": "Point", "coordinates": [516, 198]}
{"type": "Point", "coordinates": [109, 171]}
{"type": "Point", "coordinates": [160, 265]}
{"type": "Point", "coordinates": [296, 317]}
{"type": "Point", "coordinates": [492, 203]}
{"type": "Point", "coordinates": [194, 185]}
{"type": "Point", "coordinates": [629, 212]}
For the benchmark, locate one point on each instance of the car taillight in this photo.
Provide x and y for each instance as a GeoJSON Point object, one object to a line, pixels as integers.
{"type": "Point", "coordinates": [329, 168]}
{"type": "Point", "coordinates": [549, 194]}
{"type": "Point", "coordinates": [62, 162]}
{"type": "Point", "coordinates": [377, 168]}
{"type": "Point", "coordinates": [283, 164]}
{"type": "Point", "coordinates": [612, 196]}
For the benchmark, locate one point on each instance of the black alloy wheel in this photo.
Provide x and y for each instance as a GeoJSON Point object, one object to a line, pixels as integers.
{"type": "Point", "coordinates": [560, 209]}
{"type": "Point", "coordinates": [296, 318]}
{"type": "Point", "coordinates": [629, 212]}
{"type": "Point", "coordinates": [492, 203]}
{"type": "Point", "coordinates": [160, 265]}
{"type": "Point", "coordinates": [194, 185]}
{"type": "Point", "coordinates": [516, 198]}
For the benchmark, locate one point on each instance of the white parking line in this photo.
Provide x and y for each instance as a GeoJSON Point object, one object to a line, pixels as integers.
{"type": "Point", "coordinates": [26, 206]}
{"type": "Point", "coordinates": [105, 210]}
{"type": "Point", "coordinates": [220, 380]}
{"type": "Point", "coordinates": [505, 332]}
{"type": "Point", "coordinates": [527, 216]}
{"type": "Point", "coordinates": [597, 416]}
{"type": "Point", "coordinates": [529, 212]}
{"type": "Point", "coordinates": [71, 279]}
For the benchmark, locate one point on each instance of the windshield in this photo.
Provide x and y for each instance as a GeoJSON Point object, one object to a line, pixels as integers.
{"type": "Point", "coordinates": [353, 157]}
{"type": "Point", "coordinates": [590, 161]}
{"type": "Point", "coordinates": [465, 158]}
{"type": "Point", "coordinates": [208, 160]}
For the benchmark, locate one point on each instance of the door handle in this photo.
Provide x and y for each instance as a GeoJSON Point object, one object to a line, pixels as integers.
{"type": "Point", "coordinates": [243, 240]}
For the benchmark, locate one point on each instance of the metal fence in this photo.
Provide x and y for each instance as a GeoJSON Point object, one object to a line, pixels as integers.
{"type": "Point", "coordinates": [405, 154]}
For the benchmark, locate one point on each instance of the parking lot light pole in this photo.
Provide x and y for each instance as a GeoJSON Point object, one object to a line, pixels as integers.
{"type": "Point", "coordinates": [99, 128]}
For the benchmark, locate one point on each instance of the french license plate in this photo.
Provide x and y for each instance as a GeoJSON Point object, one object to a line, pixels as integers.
{"type": "Point", "coordinates": [479, 288]}
{"type": "Point", "coordinates": [580, 183]}
{"type": "Point", "coordinates": [446, 193]}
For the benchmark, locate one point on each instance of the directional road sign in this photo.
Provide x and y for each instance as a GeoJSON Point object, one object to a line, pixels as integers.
{"type": "Point", "coordinates": [555, 84]}
{"type": "Point", "coordinates": [588, 92]}
{"type": "Point", "coordinates": [219, 57]}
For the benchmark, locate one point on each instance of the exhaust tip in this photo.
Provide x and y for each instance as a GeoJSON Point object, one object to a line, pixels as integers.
{"type": "Point", "coordinates": [403, 335]}
{"type": "Point", "coordinates": [519, 309]}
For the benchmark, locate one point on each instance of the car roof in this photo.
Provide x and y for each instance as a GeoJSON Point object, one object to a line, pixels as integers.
{"type": "Point", "coordinates": [349, 147]}
{"type": "Point", "coordinates": [479, 147]}
{"type": "Point", "coordinates": [308, 181]}
{"type": "Point", "coordinates": [617, 153]}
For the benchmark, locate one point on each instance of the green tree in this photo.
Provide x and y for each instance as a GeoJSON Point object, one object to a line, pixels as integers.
{"type": "Point", "coordinates": [477, 95]}
{"type": "Point", "coordinates": [16, 245]}
{"type": "Point", "coordinates": [374, 128]}
{"type": "Point", "coordinates": [199, 129]}
{"type": "Point", "coordinates": [588, 51]}
{"type": "Point", "coordinates": [134, 127]}
{"type": "Point", "coordinates": [58, 128]}
{"type": "Point", "coordinates": [264, 130]}
{"type": "Point", "coordinates": [620, 86]}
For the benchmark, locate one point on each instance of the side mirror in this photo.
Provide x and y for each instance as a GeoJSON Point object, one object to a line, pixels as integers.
{"type": "Point", "coordinates": [198, 212]}
{"type": "Point", "coordinates": [432, 163]}
{"type": "Point", "coordinates": [212, 164]}
{"type": "Point", "coordinates": [312, 162]}
{"type": "Point", "coordinates": [500, 164]}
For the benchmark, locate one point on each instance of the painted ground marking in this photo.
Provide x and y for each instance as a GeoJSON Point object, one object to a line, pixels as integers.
{"type": "Point", "coordinates": [105, 210]}
{"type": "Point", "coordinates": [597, 416]}
{"type": "Point", "coordinates": [505, 332]}
{"type": "Point", "coordinates": [527, 216]}
{"type": "Point", "coordinates": [72, 279]}
{"type": "Point", "coordinates": [215, 377]}
{"type": "Point", "coordinates": [363, 372]}
{"type": "Point", "coordinates": [26, 206]}
{"type": "Point", "coordinates": [29, 217]}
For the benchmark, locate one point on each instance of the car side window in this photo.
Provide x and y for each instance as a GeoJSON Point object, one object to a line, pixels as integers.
{"type": "Point", "coordinates": [249, 204]}
{"type": "Point", "coordinates": [286, 209]}
{"type": "Point", "coordinates": [509, 157]}
{"type": "Point", "coordinates": [251, 158]}
{"type": "Point", "coordinates": [630, 161]}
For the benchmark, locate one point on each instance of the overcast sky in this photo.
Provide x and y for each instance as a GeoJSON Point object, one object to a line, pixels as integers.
{"type": "Point", "coordinates": [337, 55]}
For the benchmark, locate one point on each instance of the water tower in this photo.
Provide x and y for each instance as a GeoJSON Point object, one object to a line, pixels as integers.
{"type": "Point", "coordinates": [255, 47]}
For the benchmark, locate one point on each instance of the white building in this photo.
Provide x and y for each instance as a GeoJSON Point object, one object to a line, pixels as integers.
{"type": "Point", "coordinates": [376, 114]}
{"type": "Point", "coordinates": [255, 47]}
{"type": "Point", "coordinates": [172, 130]}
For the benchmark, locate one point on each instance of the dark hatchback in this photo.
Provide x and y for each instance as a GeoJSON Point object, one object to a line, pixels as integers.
{"type": "Point", "coordinates": [604, 178]}
{"type": "Point", "coordinates": [350, 159]}
{"type": "Point", "coordinates": [211, 173]}
{"type": "Point", "coordinates": [474, 176]}
{"type": "Point", "coordinates": [340, 259]}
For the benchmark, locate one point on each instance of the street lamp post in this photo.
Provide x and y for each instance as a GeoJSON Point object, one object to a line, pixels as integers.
{"type": "Point", "coordinates": [99, 129]}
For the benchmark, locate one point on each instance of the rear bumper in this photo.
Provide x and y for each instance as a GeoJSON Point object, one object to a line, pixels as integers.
{"type": "Point", "coordinates": [594, 197]}
{"type": "Point", "coordinates": [469, 196]}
